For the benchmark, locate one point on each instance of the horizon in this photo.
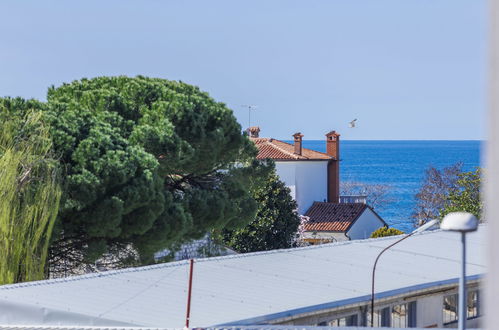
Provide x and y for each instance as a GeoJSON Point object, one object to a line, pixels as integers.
{"type": "Point", "coordinates": [388, 140]}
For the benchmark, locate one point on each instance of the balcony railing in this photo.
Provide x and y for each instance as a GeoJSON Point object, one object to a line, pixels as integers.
{"type": "Point", "coordinates": [353, 199]}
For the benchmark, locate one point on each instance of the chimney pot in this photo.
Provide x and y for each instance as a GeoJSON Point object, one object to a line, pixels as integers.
{"type": "Point", "coordinates": [298, 143]}
{"type": "Point", "coordinates": [333, 144]}
{"type": "Point", "coordinates": [253, 131]}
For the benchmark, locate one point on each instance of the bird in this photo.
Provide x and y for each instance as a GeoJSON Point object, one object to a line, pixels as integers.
{"type": "Point", "coordinates": [352, 123]}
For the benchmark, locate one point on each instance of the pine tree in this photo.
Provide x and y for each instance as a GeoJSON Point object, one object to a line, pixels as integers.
{"type": "Point", "coordinates": [275, 225]}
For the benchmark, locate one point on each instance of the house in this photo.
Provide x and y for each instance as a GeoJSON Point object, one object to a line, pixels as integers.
{"type": "Point", "coordinates": [313, 178]}
{"type": "Point", "coordinates": [335, 222]}
{"type": "Point", "coordinates": [309, 174]}
{"type": "Point", "coordinates": [330, 284]}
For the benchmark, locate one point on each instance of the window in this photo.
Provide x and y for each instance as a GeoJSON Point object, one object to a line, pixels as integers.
{"type": "Point", "coordinates": [404, 315]}
{"type": "Point", "coordinates": [473, 310]}
{"type": "Point", "coordinates": [412, 315]}
{"type": "Point", "coordinates": [344, 321]}
{"type": "Point", "coordinates": [399, 316]}
{"type": "Point", "coordinates": [450, 308]}
{"type": "Point", "coordinates": [381, 317]}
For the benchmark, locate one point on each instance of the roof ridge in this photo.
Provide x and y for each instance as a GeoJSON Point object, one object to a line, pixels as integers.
{"type": "Point", "coordinates": [295, 156]}
{"type": "Point", "coordinates": [319, 152]}
{"type": "Point", "coordinates": [282, 150]}
{"type": "Point", "coordinates": [186, 262]}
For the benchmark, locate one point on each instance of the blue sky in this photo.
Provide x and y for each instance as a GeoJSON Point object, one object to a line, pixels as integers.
{"type": "Point", "coordinates": [412, 69]}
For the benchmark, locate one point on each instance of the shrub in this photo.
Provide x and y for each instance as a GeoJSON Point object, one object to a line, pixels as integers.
{"type": "Point", "coordinates": [385, 231]}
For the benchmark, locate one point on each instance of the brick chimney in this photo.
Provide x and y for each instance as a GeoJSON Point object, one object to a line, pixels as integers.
{"type": "Point", "coordinates": [333, 167]}
{"type": "Point", "coordinates": [298, 139]}
{"type": "Point", "coordinates": [253, 131]}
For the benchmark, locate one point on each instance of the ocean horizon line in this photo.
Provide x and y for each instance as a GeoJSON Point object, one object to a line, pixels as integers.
{"type": "Point", "coordinates": [391, 140]}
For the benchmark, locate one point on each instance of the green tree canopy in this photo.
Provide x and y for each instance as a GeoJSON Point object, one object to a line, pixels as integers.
{"type": "Point", "coordinates": [385, 232]}
{"type": "Point", "coordinates": [147, 163]}
{"type": "Point", "coordinates": [275, 225]}
{"type": "Point", "coordinates": [466, 196]}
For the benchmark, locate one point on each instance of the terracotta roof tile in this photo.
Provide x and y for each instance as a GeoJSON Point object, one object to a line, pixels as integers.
{"type": "Point", "coordinates": [332, 216]}
{"type": "Point", "coordinates": [279, 150]}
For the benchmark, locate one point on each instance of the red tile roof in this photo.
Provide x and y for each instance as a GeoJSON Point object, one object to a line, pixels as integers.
{"type": "Point", "coordinates": [279, 150]}
{"type": "Point", "coordinates": [333, 216]}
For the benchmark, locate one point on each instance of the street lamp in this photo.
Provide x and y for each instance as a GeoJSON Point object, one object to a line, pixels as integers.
{"type": "Point", "coordinates": [424, 227]}
{"type": "Point", "coordinates": [461, 222]}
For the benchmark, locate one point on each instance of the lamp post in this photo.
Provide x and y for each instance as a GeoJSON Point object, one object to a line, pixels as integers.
{"type": "Point", "coordinates": [424, 227]}
{"type": "Point", "coordinates": [463, 223]}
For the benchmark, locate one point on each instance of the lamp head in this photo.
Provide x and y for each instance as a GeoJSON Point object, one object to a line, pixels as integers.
{"type": "Point", "coordinates": [426, 226]}
{"type": "Point", "coordinates": [459, 221]}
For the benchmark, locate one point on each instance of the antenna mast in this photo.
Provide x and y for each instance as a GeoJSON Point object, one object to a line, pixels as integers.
{"type": "Point", "coordinates": [250, 107]}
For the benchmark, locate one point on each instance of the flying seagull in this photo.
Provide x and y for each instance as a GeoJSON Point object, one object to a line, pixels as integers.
{"type": "Point", "coordinates": [352, 123]}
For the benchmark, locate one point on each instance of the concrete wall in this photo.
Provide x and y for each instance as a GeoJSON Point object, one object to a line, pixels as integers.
{"type": "Point", "coordinates": [365, 225]}
{"type": "Point", "coordinates": [307, 181]}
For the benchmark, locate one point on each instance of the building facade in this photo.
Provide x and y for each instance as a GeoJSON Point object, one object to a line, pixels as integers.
{"type": "Point", "coordinates": [314, 178]}
{"type": "Point", "coordinates": [433, 307]}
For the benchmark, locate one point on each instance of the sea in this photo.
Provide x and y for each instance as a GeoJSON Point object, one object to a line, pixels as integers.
{"type": "Point", "coordinates": [401, 165]}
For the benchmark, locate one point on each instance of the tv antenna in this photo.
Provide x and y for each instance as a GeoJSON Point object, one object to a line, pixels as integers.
{"type": "Point", "coordinates": [250, 107]}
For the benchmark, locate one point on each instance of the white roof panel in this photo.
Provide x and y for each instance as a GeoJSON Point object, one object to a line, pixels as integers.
{"type": "Point", "coordinates": [244, 289]}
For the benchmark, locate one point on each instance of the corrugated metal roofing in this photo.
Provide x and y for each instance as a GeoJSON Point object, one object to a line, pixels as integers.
{"type": "Point", "coordinates": [261, 327]}
{"type": "Point", "coordinates": [279, 150]}
{"type": "Point", "coordinates": [244, 289]}
{"type": "Point", "coordinates": [54, 327]}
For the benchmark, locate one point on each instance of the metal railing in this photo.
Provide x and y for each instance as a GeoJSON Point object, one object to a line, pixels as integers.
{"type": "Point", "coordinates": [353, 199]}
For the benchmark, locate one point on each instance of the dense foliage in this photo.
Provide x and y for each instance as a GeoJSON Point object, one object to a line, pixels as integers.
{"type": "Point", "coordinates": [30, 194]}
{"type": "Point", "coordinates": [276, 223]}
{"type": "Point", "coordinates": [385, 231]}
{"type": "Point", "coordinates": [148, 163]}
{"type": "Point", "coordinates": [466, 196]}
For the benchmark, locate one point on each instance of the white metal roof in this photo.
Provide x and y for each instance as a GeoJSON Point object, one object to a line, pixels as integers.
{"type": "Point", "coordinates": [244, 289]}
{"type": "Point", "coordinates": [262, 327]}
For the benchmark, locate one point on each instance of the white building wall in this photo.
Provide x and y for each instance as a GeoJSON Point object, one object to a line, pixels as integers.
{"type": "Point", "coordinates": [307, 181]}
{"type": "Point", "coordinates": [429, 311]}
{"type": "Point", "coordinates": [287, 174]}
{"type": "Point", "coordinates": [365, 225]}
